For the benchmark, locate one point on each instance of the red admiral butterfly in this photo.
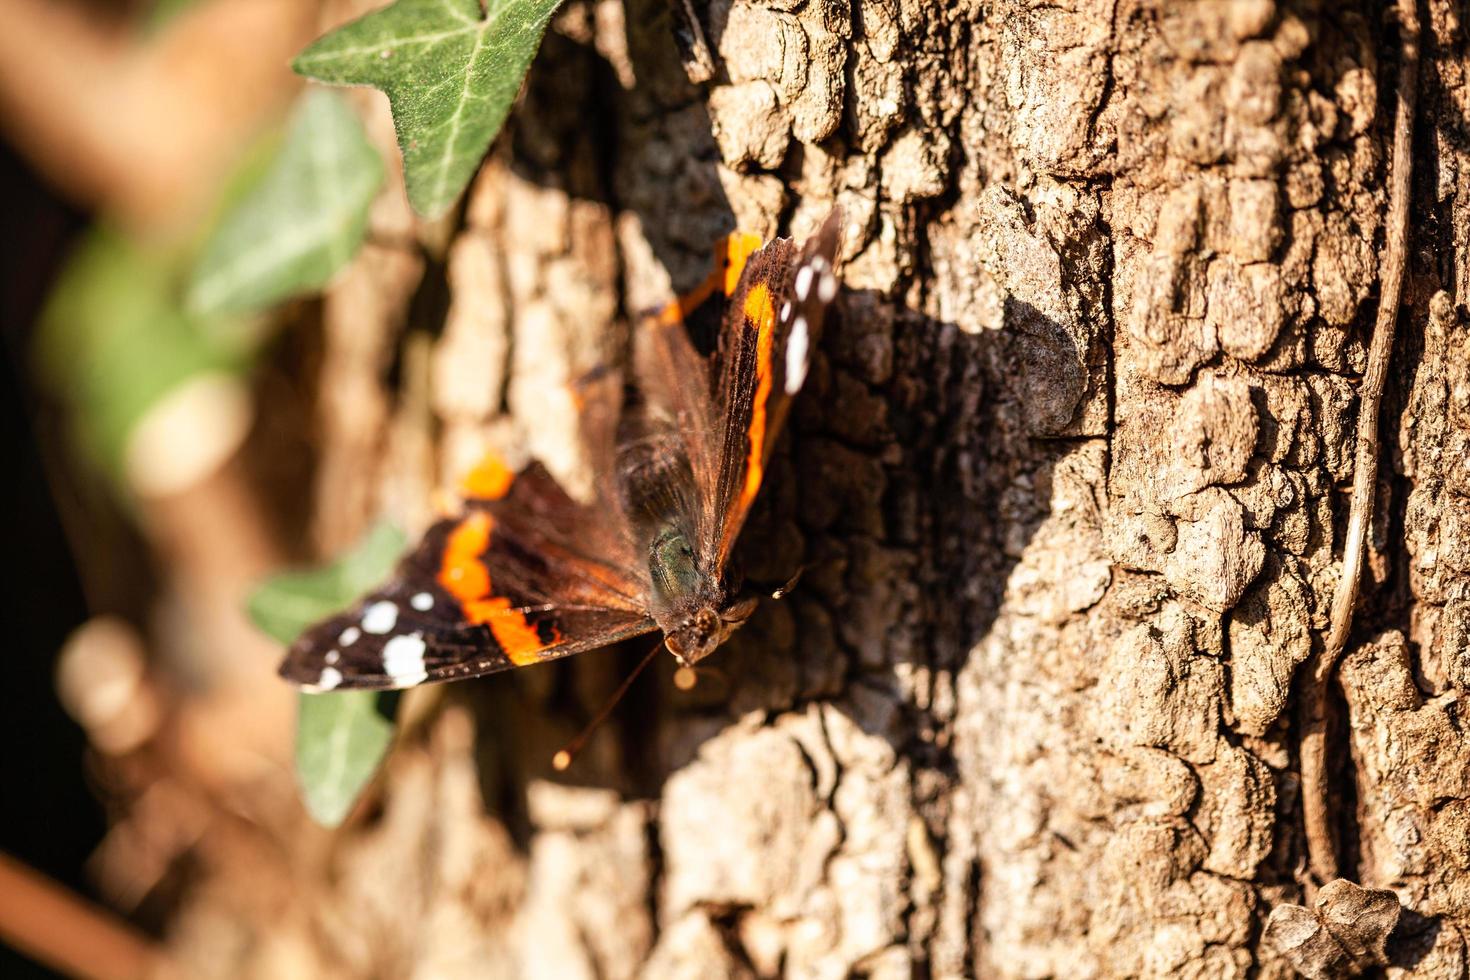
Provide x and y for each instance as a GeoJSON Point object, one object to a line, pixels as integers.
{"type": "Point", "coordinates": [527, 574]}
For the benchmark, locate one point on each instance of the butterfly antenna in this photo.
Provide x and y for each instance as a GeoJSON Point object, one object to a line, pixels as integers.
{"type": "Point", "coordinates": [563, 759]}
{"type": "Point", "coordinates": [785, 590]}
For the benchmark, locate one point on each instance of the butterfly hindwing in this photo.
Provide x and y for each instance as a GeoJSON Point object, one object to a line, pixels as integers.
{"type": "Point", "coordinates": [518, 579]}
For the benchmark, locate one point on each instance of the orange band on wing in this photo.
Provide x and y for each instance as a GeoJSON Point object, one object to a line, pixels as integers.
{"type": "Point", "coordinates": [731, 254]}
{"type": "Point", "coordinates": [760, 314]}
{"type": "Point", "coordinates": [515, 634]}
{"type": "Point", "coordinates": [489, 480]}
{"type": "Point", "coordinates": [734, 250]}
{"type": "Point", "coordinates": [463, 574]}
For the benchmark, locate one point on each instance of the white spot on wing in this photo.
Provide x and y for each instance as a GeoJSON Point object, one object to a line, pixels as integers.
{"type": "Point", "coordinates": [827, 287]}
{"type": "Point", "coordinates": [380, 617]}
{"type": "Point", "coordinates": [330, 678]}
{"type": "Point", "coordinates": [403, 660]}
{"type": "Point", "coordinates": [796, 355]}
{"type": "Point", "coordinates": [349, 636]}
{"type": "Point", "coordinates": [803, 281]}
{"type": "Point", "coordinates": [332, 656]}
{"type": "Point", "coordinates": [423, 602]}
{"type": "Point", "coordinates": [786, 311]}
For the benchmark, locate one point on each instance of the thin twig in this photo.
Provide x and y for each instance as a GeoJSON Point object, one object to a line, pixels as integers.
{"type": "Point", "coordinates": [1321, 846]}
{"type": "Point", "coordinates": [67, 933]}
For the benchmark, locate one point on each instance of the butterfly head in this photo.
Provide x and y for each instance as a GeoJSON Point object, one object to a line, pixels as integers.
{"type": "Point", "coordinates": [697, 636]}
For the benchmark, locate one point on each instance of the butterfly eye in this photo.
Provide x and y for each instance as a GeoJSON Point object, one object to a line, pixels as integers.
{"type": "Point", "coordinates": [705, 621]}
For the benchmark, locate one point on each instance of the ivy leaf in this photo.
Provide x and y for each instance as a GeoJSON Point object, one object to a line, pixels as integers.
{"type": "Point", "coordinates": [301, 222]}
{"type": "Point", "coordinates": [341, 736]}
{"type": "Point", "coordinates": [117, 344]}
{"type": "Point", "coordinates": [341, 739]}
{"type": "Point", "coordinates": [450, 69]}
{"type": "Point", "coordinates": [163, 12]}
{"type": "Point", "coordinates": [288, 603]}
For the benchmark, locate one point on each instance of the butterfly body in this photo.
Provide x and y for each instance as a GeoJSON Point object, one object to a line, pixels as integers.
{"type": "Point", "coordinates": [527, 573]}
{"type": "Point", "coordinates": [691, 595]}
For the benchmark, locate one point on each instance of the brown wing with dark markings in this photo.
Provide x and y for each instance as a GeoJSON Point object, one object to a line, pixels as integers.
{"type": "Point", "coordinates": [727, 410]}
{"type": "Point", "coordinates": [770, 331]}
{"type": "Point", "coordinates": [520, 579]}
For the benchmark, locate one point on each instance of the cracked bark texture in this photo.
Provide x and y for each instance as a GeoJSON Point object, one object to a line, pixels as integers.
{"type": "Point", "coordinates": [1069, 477]}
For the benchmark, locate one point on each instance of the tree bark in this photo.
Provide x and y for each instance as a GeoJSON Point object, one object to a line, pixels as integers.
{"type": "Point", "coordinates": [1069, 483]}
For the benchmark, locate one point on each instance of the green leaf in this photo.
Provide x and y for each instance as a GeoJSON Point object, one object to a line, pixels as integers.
{"type": "Point", "coordinates": [115, 340]}
{"type": "Point", "coordinates": [450, 70]}
{"type": "Point", "coordinates": [163, 12]}
{"type": "Point", "coordinates": [288, 603]}
{"type": "Point", "coordinates": [341, 736]}
{"type": "Point", "coordinates": [341, 739]}
{"type": "Point", "coordinates": [302, 221]}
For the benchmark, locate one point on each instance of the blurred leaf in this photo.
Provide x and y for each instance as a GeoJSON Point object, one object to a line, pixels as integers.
{"type": "Point", "coordinates": [303, 220]}
{"type": "Point", "coordinates": [450, 70]}
{"type": "Point", "coordinates": [163, 12]}
{"type": "Point", "coordinates": [341, 739]}
{"type": "Point", "coordinates": [115, 340]}
{"type": "Point", "coordinates": [341, 736]}
{"type": "Point", "coordinates": [288, 603]}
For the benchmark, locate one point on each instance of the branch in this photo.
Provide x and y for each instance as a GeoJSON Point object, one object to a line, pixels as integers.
{"type": "Point", "coordinates": [1321, 847]}
{"type": "Point", "coordinates": [144, 126]}
{"type": "Point", "coordinates": [67, 933]}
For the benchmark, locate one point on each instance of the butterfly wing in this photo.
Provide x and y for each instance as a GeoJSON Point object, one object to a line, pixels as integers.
{"type": "Point", "coordinates": [526, 574]}
{"type": "Point", "coordinates": [770, 330]}
{"type": "Point", "coordinates": [676, 421]}
{"type": "Point", "coordinates": [726, 410]}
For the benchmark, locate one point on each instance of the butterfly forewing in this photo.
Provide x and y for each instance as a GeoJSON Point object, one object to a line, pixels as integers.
{"type": "Point", "coordinates": [529, 577]}
{"type": "Point", "coordinates": [770, 332]}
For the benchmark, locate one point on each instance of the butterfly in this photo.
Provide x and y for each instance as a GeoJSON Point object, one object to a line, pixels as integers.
{"type": "Point", "coordinates": [526, 573]}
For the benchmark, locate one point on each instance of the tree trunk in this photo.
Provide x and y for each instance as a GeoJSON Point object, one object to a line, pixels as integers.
{"type": "Point", "coordinates": [1069, 482]}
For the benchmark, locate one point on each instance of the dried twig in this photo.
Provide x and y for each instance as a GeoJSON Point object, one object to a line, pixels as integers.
{"type": "Point", "coordinates": [1321, 847]}
{"type": "Point", "coordinates": [67, 933]}
{"type": "Point", "coordinates": [141, 124]}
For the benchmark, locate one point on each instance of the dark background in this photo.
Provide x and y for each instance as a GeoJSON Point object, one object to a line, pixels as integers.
{"type": "Point", "coordinates": [49, 819]}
